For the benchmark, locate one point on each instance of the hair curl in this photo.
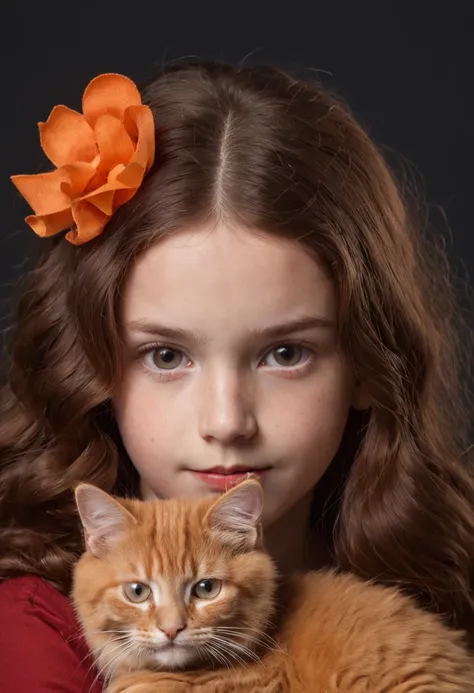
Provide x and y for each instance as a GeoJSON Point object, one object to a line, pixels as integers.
{"type": "Point", "coordinates": [261, 148]}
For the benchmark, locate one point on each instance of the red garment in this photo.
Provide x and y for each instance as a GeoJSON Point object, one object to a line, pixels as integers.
{"type": "Point", "coordinates": [41, 647]}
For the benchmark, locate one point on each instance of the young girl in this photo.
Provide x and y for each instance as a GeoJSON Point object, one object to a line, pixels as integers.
{"type": "Point", "coordinates": [241, 289]}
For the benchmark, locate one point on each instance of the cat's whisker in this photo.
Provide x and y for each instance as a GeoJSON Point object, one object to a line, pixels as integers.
{"type": "Point", "coordinates": [256, 644]}
{"type": "Point", "coordinates": [99, 672]}
{"type": "Point", "coordinates": [263, 640]}
{"type": "Point", "coordinates": [115, 663]}
{"type": "Point", "coordinates": [111, 673]}
{"type": "Point", "coordinates": [210, 653]}
{"type": "Point", "coordinates": [92, 666]}
{"type": "Point", "coordinates": [96, 656]}
{"type": "Point", "coordinates": [245, 635]}
{"type": "Point", "coordinates": [267, 646]}
{"type": "Point", "coordinates": [230, 648]}
{"type": "Point", "coordinates": [244, 649]}
{"type": "Point", "coordinates": [247, 632]}
{"type": "Point", "coordinates": [219, 654]}
{"type": "Point", "coordinates": [87, 656]}
{"type": "Point", "coordinates": [97, 651]}
{"type": "Point", "coordinates": [216, 656]}
{"type": "Point", "coordinates": [222, 646]}
{"type": "Point", "coordinates": [82, 662]}
{"type": "Point", "coordinates": [116, 660]}
{"type": "Point", "coordinates": [247, 629]}
{"type": "Point", "coordinates": [203, 654]}
{"type": "Point", "coordinates": [235, 655]}
{"type": "Point", "coordinates": [230, 636]}
{"type": "Point", "coordinates": [123, 649]}
{"type": "Point", "coordinates": [275, 646]}
{"type": "Point", "coordinates": [80, 636]}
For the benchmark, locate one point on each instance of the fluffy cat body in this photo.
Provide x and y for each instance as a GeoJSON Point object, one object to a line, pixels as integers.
{"type": "Point", "coordinates": [180, 596]}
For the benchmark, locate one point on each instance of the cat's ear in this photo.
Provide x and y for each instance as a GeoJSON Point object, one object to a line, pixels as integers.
{"type": "Point", "coordinates": [104, 520]}
{"type": "Point", "coordinates": [235, 517]}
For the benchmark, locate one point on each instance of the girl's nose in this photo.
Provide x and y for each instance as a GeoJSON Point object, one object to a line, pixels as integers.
{"type": "Point", "coordinates": [226, 412]}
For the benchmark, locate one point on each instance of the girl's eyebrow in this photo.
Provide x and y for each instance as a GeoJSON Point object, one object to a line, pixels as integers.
{"type": "Point", "coordinates": [302, 324]}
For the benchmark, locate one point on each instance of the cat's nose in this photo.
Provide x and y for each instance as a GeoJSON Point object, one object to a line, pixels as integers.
{"type": "Point", "coordinates": [171, 631]}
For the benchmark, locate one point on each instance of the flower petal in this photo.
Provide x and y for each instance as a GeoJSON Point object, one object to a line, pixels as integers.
{"type": "Point", "coordinates": [109, 93]}
{"type": "Point", "coordinates": [90, 222]}
{"type": "Point", "coordinates": [50, 224]}
{"type": "Point", "coordinates": [130, 177]}
{"type": "Point", "coordinates": [43, 191]}
{"type": "Point", "coordinates": [110, 184]}
{"type": "Point", "coordinates": [123, 196]}
{"type": "Point", "coordinates": [121, 186]}
{"type": "Point", "coordinates": [140, 124]}
{"type": "Point", "coordinates": [79, 175]}
{"type": "Point", "coordinates": [113, 141]}
{"type": "Point", "coordinates": [103, 199]}
{"type": "Point", "coordinates": [67, 137]}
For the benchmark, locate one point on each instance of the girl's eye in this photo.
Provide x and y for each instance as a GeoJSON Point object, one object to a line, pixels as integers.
{"type": "Point", "coordinates": [207, 589]}
{"type": "Point", "coordinates": [287, 355]}
{"type": "Point", "coordinates": [165, 358]}
{"type": "Point", "coordinates": [136, 592]}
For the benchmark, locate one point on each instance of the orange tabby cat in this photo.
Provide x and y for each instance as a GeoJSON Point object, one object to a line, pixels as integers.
{"type": "Point", "coordinates": [179, 596]}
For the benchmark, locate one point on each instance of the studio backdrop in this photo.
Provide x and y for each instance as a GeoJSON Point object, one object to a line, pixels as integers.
{"type": "Point", "coordinates": [405, 69]}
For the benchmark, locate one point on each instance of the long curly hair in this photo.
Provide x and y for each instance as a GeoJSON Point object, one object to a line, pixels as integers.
{"type": "Point", "coordinates": [262, 148]}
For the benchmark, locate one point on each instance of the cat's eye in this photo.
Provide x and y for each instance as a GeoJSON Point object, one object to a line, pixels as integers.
{"type": "Point", "coordinates": [207, 588]}
{"type": "Point", "coordinates": [136, 592]}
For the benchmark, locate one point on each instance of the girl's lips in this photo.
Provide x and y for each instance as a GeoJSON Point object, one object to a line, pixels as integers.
{"type": "Point", "coordinates": [225, 481]}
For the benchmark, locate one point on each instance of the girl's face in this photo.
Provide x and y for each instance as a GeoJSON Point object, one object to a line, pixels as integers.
{"type": "Point", "coordinates": [232, 364]}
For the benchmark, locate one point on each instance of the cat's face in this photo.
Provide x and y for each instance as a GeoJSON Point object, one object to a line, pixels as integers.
{"type": "Point", "coordinates": [166, 584]}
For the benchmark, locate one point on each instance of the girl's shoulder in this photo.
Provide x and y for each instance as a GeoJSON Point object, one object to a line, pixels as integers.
{"type": "Point", "coordinates": [41, 646]}
{"type": "Point", "coordinates": [37, 599]}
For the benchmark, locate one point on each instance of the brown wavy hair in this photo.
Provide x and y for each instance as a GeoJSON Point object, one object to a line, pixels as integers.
{"type": "Point", "coordinates": [267, 150]}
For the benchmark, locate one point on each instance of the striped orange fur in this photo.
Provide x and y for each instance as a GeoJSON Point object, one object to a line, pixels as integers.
{"type": "Point", "coordinates": [180, 596]}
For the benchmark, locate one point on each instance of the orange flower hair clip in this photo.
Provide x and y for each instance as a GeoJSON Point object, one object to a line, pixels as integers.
{"type": "Point", "coordinates": [101, 157]}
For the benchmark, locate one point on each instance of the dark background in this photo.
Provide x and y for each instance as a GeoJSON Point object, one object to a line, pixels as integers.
{"type": "Point", "coordinates": [405, 68]}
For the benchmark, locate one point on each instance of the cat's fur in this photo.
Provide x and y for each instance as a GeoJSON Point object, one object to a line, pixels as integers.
{"type": "Point", "coordinates": [335, 633]}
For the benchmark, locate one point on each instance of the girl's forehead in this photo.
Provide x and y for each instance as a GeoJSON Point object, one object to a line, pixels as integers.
{"type": "Point", "coordinates": [228, 273]}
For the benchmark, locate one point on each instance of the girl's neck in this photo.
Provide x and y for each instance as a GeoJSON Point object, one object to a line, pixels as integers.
{"type": "Point", "coordinates": [293, 545]}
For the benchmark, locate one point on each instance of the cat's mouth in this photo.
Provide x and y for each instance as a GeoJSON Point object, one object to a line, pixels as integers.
{"type": "Point", "coordinates": [171, 654]}
{"type": "Point", "coordinates": [165, 646]}
{"type": "Point", "coordinates": [224, 478]}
